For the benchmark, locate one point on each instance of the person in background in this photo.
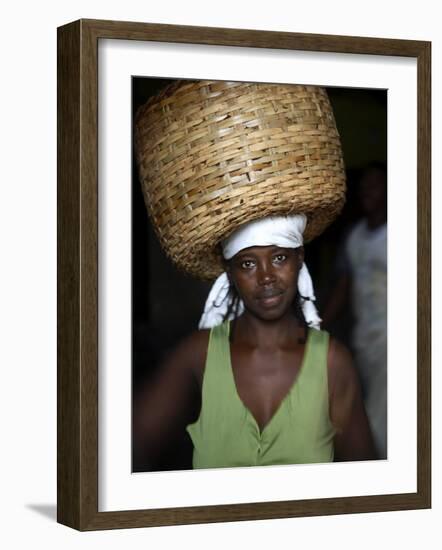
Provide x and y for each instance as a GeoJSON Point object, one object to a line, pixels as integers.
{"type": "Point", "coordinates": [363, 278]}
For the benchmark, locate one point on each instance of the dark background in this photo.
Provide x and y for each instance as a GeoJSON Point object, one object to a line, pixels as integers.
{"type": "Point", "coordinates": [167, 304]}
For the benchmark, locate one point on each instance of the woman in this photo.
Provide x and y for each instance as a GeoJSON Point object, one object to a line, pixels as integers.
{"type": "Point", "coordinates": [263, 387]}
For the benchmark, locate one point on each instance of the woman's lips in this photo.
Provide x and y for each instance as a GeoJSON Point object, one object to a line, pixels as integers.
{"type": "Point", "coordinates": [270, 299]}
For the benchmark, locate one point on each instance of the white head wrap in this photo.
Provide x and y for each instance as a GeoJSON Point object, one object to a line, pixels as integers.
{"type": "Point", "coordinates": [283, 231]}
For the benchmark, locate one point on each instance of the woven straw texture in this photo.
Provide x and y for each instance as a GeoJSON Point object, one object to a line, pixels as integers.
{"type": "Point", "coordinates": [215, 155]}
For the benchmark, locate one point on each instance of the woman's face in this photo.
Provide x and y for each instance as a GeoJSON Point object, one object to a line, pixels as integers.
{"type": "Point", "coordinates": [266, 278]}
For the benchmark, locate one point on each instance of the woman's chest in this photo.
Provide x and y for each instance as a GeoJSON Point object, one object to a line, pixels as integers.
{"type": "Point", "coordinates": [264, 379]}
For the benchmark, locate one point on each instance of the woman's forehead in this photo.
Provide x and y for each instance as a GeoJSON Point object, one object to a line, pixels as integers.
{"type": "Point", "coordinates": [263, 250]}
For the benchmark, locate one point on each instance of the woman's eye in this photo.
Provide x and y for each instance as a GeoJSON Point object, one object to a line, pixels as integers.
{"type": "Point", "coordinates": [279, 258]}
{"type": "Point", "coordinates": [247, 264]}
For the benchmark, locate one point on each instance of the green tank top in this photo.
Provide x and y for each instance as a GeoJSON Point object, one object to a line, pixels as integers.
{"type": "Point", "coordinates": [226, 433]}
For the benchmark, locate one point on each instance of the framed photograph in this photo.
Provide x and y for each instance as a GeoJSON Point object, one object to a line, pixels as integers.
{"type": "Point", "coordinates": [118, 292]}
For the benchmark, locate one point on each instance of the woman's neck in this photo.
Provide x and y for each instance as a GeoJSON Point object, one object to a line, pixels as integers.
{"type": "Point", "coordinates": [274, 334]}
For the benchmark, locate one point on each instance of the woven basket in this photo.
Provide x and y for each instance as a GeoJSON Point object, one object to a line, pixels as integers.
{"type": "Point", "coordinates": [215, 155]}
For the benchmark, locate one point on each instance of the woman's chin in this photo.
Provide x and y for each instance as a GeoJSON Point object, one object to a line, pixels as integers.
{"type": "Point", "coordinates": [270, 311]}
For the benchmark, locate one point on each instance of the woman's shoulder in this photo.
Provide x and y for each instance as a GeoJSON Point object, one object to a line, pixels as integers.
{"type": "Point", "coordinates": [339, 356]}
{"type": "Point", "coordinates": [196, 342]}
{"type": "Point", "coordinates": [190, 352]}
{"type": "Point", "coordinates": [341, 371]}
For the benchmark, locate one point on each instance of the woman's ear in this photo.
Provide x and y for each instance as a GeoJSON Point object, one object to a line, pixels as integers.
{"type": "Point", "coordinates": [228, 269]}
{"type": "Point", "coordinates": [226, 265]}
{"type": "Point", "coordinates": [300, 252]}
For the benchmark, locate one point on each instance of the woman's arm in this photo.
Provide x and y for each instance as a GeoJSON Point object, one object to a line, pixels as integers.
{"type": "Point", "coordinates": [353, 439]}
{"type": "Point", "coordinates": [166, 405]}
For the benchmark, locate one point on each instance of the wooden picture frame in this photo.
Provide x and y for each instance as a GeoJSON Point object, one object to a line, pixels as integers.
{"type": "Point", "coordinates": [77, 223]}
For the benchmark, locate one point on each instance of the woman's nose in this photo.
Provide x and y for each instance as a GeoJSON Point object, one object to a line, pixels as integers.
{"type": "Point", "coordinates": [266, 274]}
